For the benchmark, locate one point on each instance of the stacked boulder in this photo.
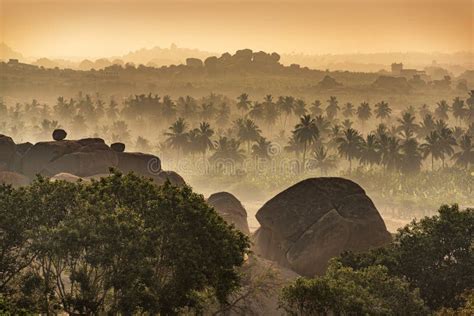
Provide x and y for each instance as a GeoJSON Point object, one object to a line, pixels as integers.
{"type": "Point", "coordinates": [315, 220]}
{"type": "Point", "coordinates": [230, 209]}
{"type": "Point", "coordinates": [81, 158]}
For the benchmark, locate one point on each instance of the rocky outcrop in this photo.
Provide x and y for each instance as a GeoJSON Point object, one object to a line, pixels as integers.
{"type": "Point", "coordinates": [230, 209]}
{"type": "Point", "coordinates": [71, 160]}
{"type": "Point", "coordinates": [44, 154]}
{"type": "Point", "coordinates": [315, 220]}
{"type": "Point", "coordinates": [7, 152]}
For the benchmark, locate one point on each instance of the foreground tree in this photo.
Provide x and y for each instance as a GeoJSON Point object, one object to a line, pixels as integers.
{"type": "Point", "coordinates": [122, 245]}
{"type": "Point", "coordinates": [434, 255]}
{"type": "Point", "coordinates": [344, 291]}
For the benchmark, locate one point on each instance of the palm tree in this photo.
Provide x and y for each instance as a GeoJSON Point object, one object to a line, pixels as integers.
{"type": "Point", "coordinates": [465, 157]}
{"type": "Point", "coordinates": [332, 108]}
{"type": "Point", "coordinates": [382, 110]}
{"type": "Point", "coordinates": [222, 115]}
{"type": "Point", "coordinates": [203, 138]}
{"type": "Point", "coordinates": [407, 124]}
{"type": "Point", "coordinates": [441, 111]}
{"type": "Point", "coordinates": [336, 131]}
{"type": "Point", "coordinates": [426, 126]}
{"type": "Point", "coordinates": [227, 149]}
{"type": "Point", "coordinates": [348, 110]}
{"type": "Point", "coordinates": [300, 108]}
{"type": "Point", "coordinates": [187, 107]}
{"type": "Point", "coordinates": [390, 151]}
{"type": "Point", "coordinates": [347, 123]}
{"type": "Point", "coordinates": [261, 148]}
{"type": "Point", "coordinates": [349, 145]}
{"type": "Point", "coordinates": [257, 111]}
{"type": "Point", "coordinates": [111, 111]}
{"type": "Point", "coordinates": [271, 114]}
{"type": "Point", "coordinates": [364, 112]}
{"type": "Point", "coordinates": [323, 125]}
{"type": "Point", "coordinates": [177, 137]}
{"type": "Point", "coordinates": [286, 105]}
{"type": "Point", "coordinates": [424, 110]}
{"type": "Point", "coordinates": [447, 142]}
{"type": "Point", "coordinates": [168, 109]}
{"type": "Point", "coordinates": [320, 159]}
{"type": "Point", "coordinates": [247, 131]}
{"type": "Point", "coordinates": [315, 108]}
{"type": "Point", "coordinates": [243, 102]}
{"type": "Point", "coordinates": [432, 146]}
{"type": "Point", "coordinates": [411, 157]}
{"type": "Point", "coordinates": [369, 151]}
{"type": "Point", "coordinates": [207, 111]}
{"type": "Point", "coordinates": [306, 133]}
{"type": "Point", "coordinates": [458, 109]}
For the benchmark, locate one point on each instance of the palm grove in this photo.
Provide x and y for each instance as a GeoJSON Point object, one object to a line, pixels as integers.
{"type": "Point", "coordinates": [366, 142]}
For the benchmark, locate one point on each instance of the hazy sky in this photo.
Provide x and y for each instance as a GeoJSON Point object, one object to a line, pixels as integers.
{"type": "Point", "coordinates": [114, 27]}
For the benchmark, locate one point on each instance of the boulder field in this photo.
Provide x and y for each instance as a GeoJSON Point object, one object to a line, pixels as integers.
{"type": "Point", "coordinates": [71, 159]}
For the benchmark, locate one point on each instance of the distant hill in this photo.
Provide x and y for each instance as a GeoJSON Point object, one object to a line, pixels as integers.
{"type": "Point", "coordinates": [8, 53]}
{"type": "Point", "coordinates": [456, 63]}
{"type": "Point", "coordinates": [158, 56]}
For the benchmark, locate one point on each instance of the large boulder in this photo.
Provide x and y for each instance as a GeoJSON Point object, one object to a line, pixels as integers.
{"type": "Point", "coordinates": [230, 209]}
{"type": "Point", "coordinates": [42, 153]}
{"type": "Point", "coordinates": [80, 157]}
{"type": "Point", "coordinates": [7, 152]}
{"type": "Point", "coordinates": [315, 220]}
{"type": "Point", "coordinates": [13, 178]}
{"type": "Point", "coordinates": [142, 164]}
{"type": "Point", "coordinates": [82, 164]}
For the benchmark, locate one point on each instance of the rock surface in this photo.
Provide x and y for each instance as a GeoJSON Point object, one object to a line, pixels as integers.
{"type": "Point", "coordinates": [230, 209]}
{"type": "Point", "coordinates": [315, 220]}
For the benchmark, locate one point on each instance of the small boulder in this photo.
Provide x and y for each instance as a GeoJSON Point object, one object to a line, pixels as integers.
{"type": "Point", "coordinates": [230, 209]}
{"type": "Point", "coordinates": [118, 147]}
{"type": "Point", "coordinates": [13, 178]}
{"type": "Point", "coordinates": [64, 176]}
{"type": "Point", "coordinates": [59, 134]}
{"type": "Point", "coordinates": [174, 178]}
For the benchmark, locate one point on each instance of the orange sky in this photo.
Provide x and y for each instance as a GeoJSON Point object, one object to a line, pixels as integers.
{"type": "Point", "coordinates": [113, 27]}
